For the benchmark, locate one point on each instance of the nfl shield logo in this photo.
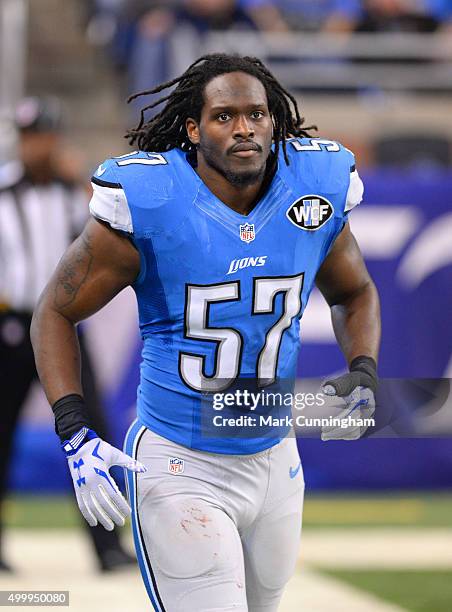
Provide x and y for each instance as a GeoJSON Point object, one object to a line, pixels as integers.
{"type": "Point", "coordinates": [175, 465]}
{"type": "Point", "coordinates": [247, 232]}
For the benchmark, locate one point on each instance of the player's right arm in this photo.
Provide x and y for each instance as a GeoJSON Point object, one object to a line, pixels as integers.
{"type": "Point", "coordinates": [95, 268]}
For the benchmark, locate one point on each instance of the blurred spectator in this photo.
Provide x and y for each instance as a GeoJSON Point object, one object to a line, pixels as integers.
{"type": "Point", "coordinates": [159, 39]}
{"type": "Point", "coordinates": [227, 14]}
{"type": "Point", "coordinates": [103, 17]}
{"type": "Point", "coordinates": [318, 15]}
{"type": "Point", "coordinates": [396, 15]}
{"type": "Point", "coordinates": [149, 43]}
{"type": "Point", "coordinates": [43, 206]}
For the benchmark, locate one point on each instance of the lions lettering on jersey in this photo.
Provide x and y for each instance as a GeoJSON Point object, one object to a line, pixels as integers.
{"type": "Point", "coordinates": [211, 315]}
{"type": "Point", "coordinates": [239, 264]}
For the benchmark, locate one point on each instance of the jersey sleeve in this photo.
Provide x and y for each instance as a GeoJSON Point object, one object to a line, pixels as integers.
{"type": "Point", "coordinates": [109, 200]}
{"type": "Point", "coordinates": [356, 188]}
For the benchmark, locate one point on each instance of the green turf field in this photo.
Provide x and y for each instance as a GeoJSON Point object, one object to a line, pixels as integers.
{"type": "Point", "coordinates": [392, 510]}
{"type": "Point", "coordinates": [320, 511]}
{"type": "Point", "coordinates": [34, 511]}
{"type": "Point", "coordinates": [417, 591]}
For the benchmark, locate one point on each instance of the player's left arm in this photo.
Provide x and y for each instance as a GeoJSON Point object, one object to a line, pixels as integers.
{"type": "Point", "coordinates": [352, 296]}
{"type": "Point", "coordinates": [346, 285]}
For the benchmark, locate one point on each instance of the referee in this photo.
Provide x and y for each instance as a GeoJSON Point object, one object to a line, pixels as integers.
{"type": "Point", "coordinates": [41, 212]}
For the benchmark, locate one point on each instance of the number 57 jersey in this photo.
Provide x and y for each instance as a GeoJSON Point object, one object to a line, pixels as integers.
{"type": "Point", "coordinates": [220, 295]}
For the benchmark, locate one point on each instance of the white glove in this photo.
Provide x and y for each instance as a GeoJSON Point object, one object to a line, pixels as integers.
{"type": "Point", "coordinates": [98, 496]}
{"type": "Point", "coordinates": [359, 405]}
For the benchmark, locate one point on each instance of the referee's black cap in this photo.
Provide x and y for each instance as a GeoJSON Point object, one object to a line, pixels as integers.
{"type": "Point", "coordinates": [36, 114]}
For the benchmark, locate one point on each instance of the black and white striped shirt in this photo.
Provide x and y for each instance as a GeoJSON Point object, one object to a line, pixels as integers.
{"type": "Point", "coordinates": [37, 224]}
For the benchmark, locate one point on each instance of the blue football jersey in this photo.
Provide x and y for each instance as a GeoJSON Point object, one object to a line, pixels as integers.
{"type": "Point", "coordinates": [220, 295]}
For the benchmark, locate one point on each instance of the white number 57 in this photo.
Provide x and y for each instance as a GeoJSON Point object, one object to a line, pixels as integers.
{"type": "Point", "coordinates": [229, 341]}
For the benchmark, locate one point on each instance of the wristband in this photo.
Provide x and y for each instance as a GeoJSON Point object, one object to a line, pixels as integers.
{"type": "Point", "coordinates": [368, 366]}
{"type": "Point", "coordinates": [70, 416]}
{"type": "Point", "coordinates": [71, 446]}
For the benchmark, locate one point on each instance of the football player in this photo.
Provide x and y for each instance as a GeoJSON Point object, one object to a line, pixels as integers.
{"type": "Point", "coordinates": [225, 172]}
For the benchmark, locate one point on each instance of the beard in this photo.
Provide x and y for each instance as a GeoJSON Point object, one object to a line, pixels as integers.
{"type": "Point", "coordinates": [238, 178]}
{"type": "Point", "coordinates": [244, 179]}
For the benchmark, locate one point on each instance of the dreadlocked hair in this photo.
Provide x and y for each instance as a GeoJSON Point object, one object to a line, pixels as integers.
{"type": "Point", "coordinates": [166, 130]}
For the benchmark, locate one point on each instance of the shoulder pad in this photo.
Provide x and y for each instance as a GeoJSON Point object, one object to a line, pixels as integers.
{"type": "Point", "coordinates": [355, 191]}
{"type": "Point", "coordinates": [109, 201]}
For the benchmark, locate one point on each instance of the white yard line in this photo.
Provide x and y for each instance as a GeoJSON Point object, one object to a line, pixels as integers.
{"type": "Point", "coordinates": [379, 548]}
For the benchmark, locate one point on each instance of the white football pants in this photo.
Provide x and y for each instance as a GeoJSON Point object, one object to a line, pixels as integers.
{"type": "Point", "coordinates": [214, 533]}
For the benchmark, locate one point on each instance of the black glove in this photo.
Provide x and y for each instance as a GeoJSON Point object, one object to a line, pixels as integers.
{"type": "Point", "coordinates": [363, 373]}
{"type": "Point", "coordinates": [357, 389]}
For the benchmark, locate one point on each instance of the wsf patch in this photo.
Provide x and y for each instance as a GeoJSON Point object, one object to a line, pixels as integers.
{"type": "Point", "coordinates": [247, 233]}
{"type": "Point", "coordinates": [310, 212]}
{"type": "Point", "coordinates": [175, 465]}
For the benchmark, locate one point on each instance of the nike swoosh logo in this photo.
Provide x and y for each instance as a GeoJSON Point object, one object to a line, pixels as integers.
{"type": "Point", "coordinates": [363, 402]}
{"type": "Point", "coordinates": [294, 472]}
{"type": "Point", "coordinates": [101, 170]}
